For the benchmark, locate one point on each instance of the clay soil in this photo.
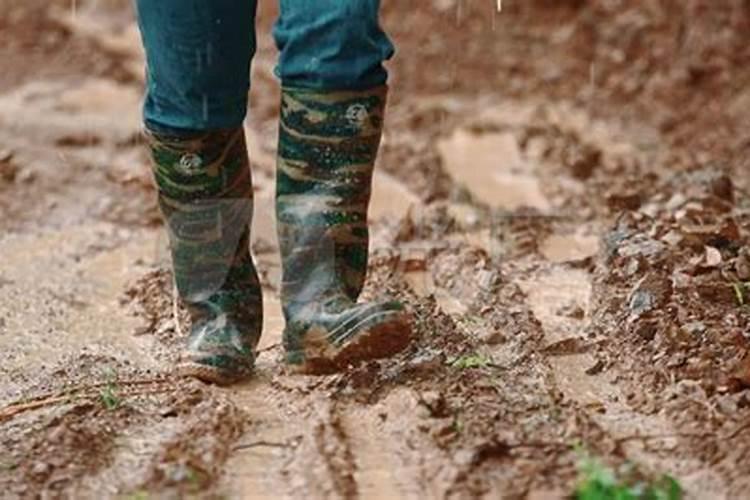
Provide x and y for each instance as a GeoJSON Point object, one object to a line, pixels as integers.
{"type": "Point", "coordinates": [561, 201]}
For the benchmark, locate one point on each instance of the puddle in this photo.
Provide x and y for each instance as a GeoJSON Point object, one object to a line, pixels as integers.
{"type": "Point", "coordinates": [492, 168]}
{"type": "Point", "coordinates": [391, 199]}
{"type": "Point", "coordinates": [51, 110]}
{"type": "Point", "coordinates": [560, 248]}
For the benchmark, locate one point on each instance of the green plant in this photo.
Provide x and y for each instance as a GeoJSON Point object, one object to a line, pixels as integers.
{"type": "Point", "coordinates": [471, 361]}
{"type": "Point", "coordinates": [598, 482]}
{"type": "Point", "coordinates": [741, 292]}
{"type": "Point", "coordinates": [138, 495]}
{"type": "Point", "coordinates": [108, 394]}
{"type": "Point", "coordinates": [8, 466]}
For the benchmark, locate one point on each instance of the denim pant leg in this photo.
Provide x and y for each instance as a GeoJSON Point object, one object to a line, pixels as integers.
{"type": "Point", "coordinates": [198, 56]}
{"type": "Point", "coordinates": [331, 44]}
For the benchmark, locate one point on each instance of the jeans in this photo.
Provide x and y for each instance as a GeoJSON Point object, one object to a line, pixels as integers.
{"type": "Point", "coordinates": [199, 52]}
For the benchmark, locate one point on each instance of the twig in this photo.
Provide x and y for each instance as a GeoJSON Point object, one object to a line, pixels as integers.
{"type": "Point", "coordinates": [50, 399]}
{"type": "Point", "coordinates": [292, 443]}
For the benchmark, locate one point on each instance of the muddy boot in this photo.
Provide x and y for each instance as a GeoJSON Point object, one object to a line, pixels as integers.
{"type": "Point", "coordinates": [206, 197]}
{"type": "Point", "coordinates": [327, 148]}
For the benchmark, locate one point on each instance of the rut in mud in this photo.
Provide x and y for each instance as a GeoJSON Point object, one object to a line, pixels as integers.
{"type": "Point", "coordinates": [577, 268]}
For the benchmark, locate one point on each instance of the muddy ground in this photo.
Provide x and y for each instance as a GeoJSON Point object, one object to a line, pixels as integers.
{"type": "Point", "coordinates": [562, 201]}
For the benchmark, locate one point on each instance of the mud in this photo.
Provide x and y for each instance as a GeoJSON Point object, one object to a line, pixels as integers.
{"type": "Point", "coordinates": [561, 202]}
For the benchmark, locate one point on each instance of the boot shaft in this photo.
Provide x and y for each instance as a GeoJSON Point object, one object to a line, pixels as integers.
{"type": "Point", "coordinates": [206, 197]}
{"type": "Point", "coordinates": [328, 142]}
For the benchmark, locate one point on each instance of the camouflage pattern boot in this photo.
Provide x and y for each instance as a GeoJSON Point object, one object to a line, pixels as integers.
{"type": "Point", "coordinates": [328, 142]}
{"type": "Point", "coordinates": [206, 197]}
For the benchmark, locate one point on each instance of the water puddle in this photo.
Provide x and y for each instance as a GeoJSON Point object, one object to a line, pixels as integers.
{"type": "Point", "coordinates": [493, 169]}
{"type": "Point", "coordinates": [561, 248]}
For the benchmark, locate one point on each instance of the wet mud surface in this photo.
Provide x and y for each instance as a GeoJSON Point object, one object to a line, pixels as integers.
{"type": "Point", "coordinates": [561, 201]}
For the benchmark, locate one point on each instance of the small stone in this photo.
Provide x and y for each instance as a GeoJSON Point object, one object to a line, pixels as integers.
{"type": "Point", "coordinates": [40, 468]}
{"type": "Point", "coordinates": [694, 328]}
{"type": "Point", "coordinates": [632, 267]}
{"type": "Point", "coordinates": [426, 361]}
{"type": "Point", "coordinates": [712, 257]}
{"type": "Point", "coordinates": [672, 238]}
{"type": "Point", "coordinates": [641, 302]}
{"type": "Point", "coordinates": [642, 246]}
{"type": "Point", "coordinates": [646, 330]}
{"type": "Point", "coordinates": [493, 337]}
{"type": "Point", "coordinates": [676, 201]}
{"type": "Point", "coordinates": [629, 200]}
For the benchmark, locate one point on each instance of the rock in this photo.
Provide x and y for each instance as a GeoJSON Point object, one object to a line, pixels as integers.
{"type": "Point", "coordinates": [646, 330]}
{"type": "Point", "coordinates": [712, 257]}
{"type": "Point", "coordinates": [717, 235]}
{"type": "Point", "coordinates": [640, 245]}
{"type": "Point", "coordinates": [426, 361]}
{"type": "Point", "coordinates": [493, 337]}
{"type": "Point", "coordinates": [675, 202]}
{"type": "Point", "coordinates": [651, 292]}
{"type": "Point", "coordinates": [641, 302]}
{"type": "Point", "coordinates": [624, 200]}
{"type": "Point", "coordinates": [694, 328]}
{"type": "Point", "coordinates": [672, 238]}
{"type": "Point", "coordinates": [40, 468]}
{"type": "Point", "coordinates": [632, 267]}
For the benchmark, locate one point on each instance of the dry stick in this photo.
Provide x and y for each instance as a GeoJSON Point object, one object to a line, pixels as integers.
{"type": "Point", "coordinates": [61, 396]}
{"type": "Point", "coordinates": [258, 444]}
{"type": "Point", "coordinates": [11, 411]}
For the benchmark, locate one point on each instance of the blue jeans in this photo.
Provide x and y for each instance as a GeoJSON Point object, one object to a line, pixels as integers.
{"type": "Point", "coordinates": [199, 52]}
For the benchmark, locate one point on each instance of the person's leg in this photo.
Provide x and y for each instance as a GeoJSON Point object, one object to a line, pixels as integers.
{"type": "Point", "coordinates": [333, 102]}
{"type": "Point", "coordinates": [331, 44]}
{"type": "Point", "coordinates": [198, 54]}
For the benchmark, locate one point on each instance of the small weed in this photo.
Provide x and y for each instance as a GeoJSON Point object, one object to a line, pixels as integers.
{"type": "Point", "coordinates": [138, 495]}
{"type": "Point", "coordinates": [9, 466]}
{"type": "Point", "coordinates": [109, 398]}
{"type": "Point", "coordinates": [598, 482]}
{"type": "Point", "coordinates": [108, 394]}
{"type": "Point", "coordinates": [742, 293]}
{"type": "Point", "coordinates": [471, 361]}
{"type": "Point", "coordinates": [458, 424]}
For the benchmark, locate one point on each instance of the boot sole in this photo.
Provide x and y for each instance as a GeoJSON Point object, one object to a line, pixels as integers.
{"type": "Point", "coordinates": [382, 340]}
{"type": "Point", "coordinates": [208, 374]}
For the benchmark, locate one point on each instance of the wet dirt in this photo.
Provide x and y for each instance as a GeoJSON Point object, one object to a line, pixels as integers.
{"type": "Point", "coordinates": [562, 206]}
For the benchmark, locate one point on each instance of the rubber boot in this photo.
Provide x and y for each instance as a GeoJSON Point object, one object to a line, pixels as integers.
{"type": "Point", "coordinates": [328, 142]}
{"type": "Point", "coordinates": [206, 197]}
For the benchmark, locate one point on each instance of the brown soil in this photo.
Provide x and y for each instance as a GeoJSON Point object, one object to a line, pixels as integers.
{"type": "Point", "coordinates": [561, 203]}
